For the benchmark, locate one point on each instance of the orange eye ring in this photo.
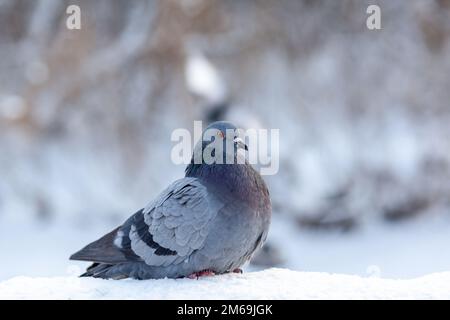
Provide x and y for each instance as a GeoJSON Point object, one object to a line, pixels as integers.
{"type": "Point", "coordinates": [220, 134]}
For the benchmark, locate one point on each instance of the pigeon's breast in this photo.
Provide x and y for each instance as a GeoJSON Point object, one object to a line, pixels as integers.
{"type": "Point", "coordinates": [239, 184]}
{"type": "Point", "coordinates": [241, 225]}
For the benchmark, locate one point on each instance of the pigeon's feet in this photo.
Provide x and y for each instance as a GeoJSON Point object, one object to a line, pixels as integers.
{"type": "Point", "coordinates": [203, 273]}
{"type": "Point", "coordinates": [238, 270]}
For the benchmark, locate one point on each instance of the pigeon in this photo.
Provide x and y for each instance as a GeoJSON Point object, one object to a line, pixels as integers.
{"type": "Point", "coordinates": [210, 222]}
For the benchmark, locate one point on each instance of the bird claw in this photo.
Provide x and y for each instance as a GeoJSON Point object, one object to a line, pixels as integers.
{"type": "Point", "coordinates": [238, 270]}
{"type": "Point", "coordinates": [203, 273]}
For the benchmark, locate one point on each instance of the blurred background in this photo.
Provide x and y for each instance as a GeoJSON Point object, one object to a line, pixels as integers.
{"type": "Point", "coordinates": [86, 117]}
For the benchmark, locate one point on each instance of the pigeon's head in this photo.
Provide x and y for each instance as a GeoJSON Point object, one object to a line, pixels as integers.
{"type": "Point", "coordinates": [220, 144]}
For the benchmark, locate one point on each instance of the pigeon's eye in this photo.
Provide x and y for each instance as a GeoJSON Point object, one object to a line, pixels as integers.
{"type": "Point", "coordinates": [220, 134]}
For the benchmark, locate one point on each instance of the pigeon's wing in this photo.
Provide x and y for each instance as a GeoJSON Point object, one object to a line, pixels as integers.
{"type": "Point", "coordinates": [168, 230]}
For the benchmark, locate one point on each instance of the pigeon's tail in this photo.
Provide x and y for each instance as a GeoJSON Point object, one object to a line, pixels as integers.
{"type": "Point", "coordinates": [102, 250]}
{"type": "Point", "coordinates": [104, 271]}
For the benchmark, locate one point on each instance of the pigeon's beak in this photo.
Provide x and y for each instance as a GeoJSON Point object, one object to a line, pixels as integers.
{"type": "Point", "coordinates": [240, 143]}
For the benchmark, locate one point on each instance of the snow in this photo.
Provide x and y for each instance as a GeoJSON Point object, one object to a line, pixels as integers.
{"type": "Point", "coordinates": [268, 284]}
{"type": "Point", "coordinates": [203, 79]}
{"type": "Point", "coordinates": [402, 251]}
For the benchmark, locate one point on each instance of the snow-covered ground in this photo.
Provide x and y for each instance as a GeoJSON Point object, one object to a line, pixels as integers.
{"type": "Point", "coordinates": [406, 250]}
{"type": "Point", "coordinates": [268, 284]}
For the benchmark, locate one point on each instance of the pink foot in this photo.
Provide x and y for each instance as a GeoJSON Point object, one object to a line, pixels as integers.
{"type": "Point", "coordinates": [203, 273]}
{"type": "Point", "coordinates": [237, 270]}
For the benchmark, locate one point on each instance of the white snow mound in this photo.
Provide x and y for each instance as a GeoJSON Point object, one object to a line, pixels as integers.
{"type": "Point", "coordinates": [268, 284]}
